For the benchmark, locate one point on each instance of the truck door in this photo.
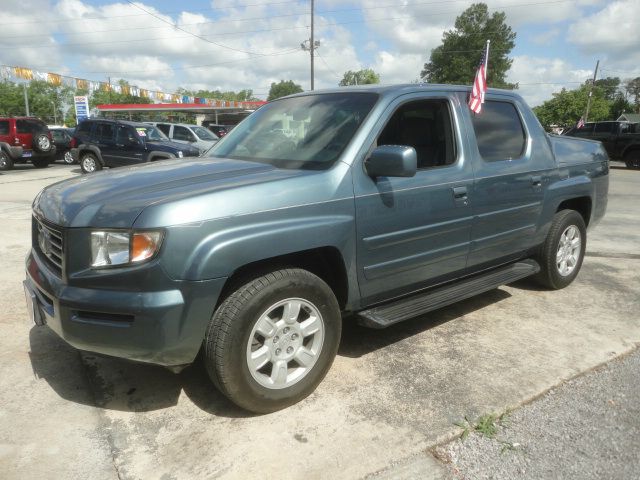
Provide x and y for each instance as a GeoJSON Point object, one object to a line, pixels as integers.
{"type": "Point", "coordinates": [606, 132]}
{"type": "Point", "coordinates": [105, 138]}
{"type": "Point", "coordinates": [413, 232]}
{"type": "Point", "coordinates": [509, 184]}
{"type": "Point", "coordinates": [129, 148]}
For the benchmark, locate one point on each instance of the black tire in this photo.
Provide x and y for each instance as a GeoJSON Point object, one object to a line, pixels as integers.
{"type": "Point", "coordinates": [6, 163]}
{"type": "Point", "coordinates": [550, 273]}
{"type": "Point", "coordinates": [89, 163]}
{"type": "Point", "coordinates": [226, 344]}
{"type": "Point", "coordinates": [41, 162]}
{"type": "Point", "coordinates": [67, 158]}
{"type": "Point", "coordinates": [42, 143]}
{"type": "Point", "coordinates": [632, 159]}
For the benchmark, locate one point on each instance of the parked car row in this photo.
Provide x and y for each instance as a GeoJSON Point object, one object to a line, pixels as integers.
{"type": "Point", "coordinates": [100, 143]}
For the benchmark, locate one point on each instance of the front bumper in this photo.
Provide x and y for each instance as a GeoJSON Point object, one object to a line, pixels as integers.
{"type": "Point", "coordinates": [160, 327]}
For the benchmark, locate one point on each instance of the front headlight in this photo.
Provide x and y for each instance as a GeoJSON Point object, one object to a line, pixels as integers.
{"type": "Point", "coordinates": [123, 247]}
{"type": "Point", "coordinates": [180, 154]}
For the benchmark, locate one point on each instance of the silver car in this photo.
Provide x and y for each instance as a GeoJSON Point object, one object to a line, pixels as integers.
{"type": "Point", "coordinates": [195, 135]}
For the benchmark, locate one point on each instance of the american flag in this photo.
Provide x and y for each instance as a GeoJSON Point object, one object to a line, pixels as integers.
{"type": "Point", "coordinates": [580, 123]}
{"type": "Point", "coordinates": [476, 99]}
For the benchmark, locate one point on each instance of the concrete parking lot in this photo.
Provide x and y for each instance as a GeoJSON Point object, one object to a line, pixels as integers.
{"type": "Point", "coordinates": [390, 395]}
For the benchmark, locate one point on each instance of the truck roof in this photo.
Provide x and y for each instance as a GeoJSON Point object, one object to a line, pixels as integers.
{"type": "Point", "coordinates": [406, 88]}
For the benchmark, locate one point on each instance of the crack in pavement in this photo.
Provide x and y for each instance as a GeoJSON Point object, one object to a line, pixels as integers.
{"type": "Point", "coordinates": [628, 256]}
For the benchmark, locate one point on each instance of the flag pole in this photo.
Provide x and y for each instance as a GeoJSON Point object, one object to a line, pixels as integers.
{"type": "Point", "coordinates": [486, 60]}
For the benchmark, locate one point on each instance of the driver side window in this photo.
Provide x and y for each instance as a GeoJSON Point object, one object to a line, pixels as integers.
{"type": "Point", "coordinates": [426, 126]}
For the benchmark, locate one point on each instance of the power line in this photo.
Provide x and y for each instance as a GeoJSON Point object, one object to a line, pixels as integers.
{"type": "Point", "coordinates": [196, 35]}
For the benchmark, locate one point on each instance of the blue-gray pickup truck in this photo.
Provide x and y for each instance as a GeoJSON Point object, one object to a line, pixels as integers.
{"type": "Point", "coordinates": [376, 204]}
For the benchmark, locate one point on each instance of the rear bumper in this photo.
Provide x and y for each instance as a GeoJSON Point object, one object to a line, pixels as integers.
{"type": "Point", "coordinates": [15, 152]}
{"type": "Point", "coordinates": [160, 327]}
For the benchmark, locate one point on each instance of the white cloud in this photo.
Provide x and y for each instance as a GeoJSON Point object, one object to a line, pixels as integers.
{"type": "Point", "coordinates": [538, 78]}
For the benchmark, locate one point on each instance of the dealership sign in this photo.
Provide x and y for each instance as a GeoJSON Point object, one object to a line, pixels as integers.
{"type": "Point", "coordinates": [82, 108]}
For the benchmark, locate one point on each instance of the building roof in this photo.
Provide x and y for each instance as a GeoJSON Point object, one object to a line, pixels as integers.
{"type": "Point", "coordinates": [629, 117]}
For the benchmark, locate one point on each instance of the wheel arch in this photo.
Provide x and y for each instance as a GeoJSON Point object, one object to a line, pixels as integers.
{"type": "Point", "coordinates": [84, 149]}
{"type": "Point", "coordinates": [325, 262]}
{"type": "Point", "coordinates": [582, 205]}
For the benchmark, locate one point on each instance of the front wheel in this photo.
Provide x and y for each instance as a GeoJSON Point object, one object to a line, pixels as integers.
{"type": "Point", "coordinates": [272, 341]}
{"type": "Point", "coordinates": [561, 255]}
{"type": "Point", "coordinates": [6, 163]}
{"type": "Point", "coordinates": [68, 158]}
{"type": "Point", "coordinates": [90, 163]}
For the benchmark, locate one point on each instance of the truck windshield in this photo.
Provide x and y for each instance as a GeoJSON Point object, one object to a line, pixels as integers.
{"type": "Point", "coordinates": [306, 132]}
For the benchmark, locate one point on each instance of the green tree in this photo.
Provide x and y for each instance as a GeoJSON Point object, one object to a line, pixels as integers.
{"type": "Point", "coordinates": [457, 59]}
{"type": "Point", "coordinates": [619, 105]}
{"type": "Point", "coordinates": [361, 77]}
{"type": "Point", "coordinates": [609, 87]}
{"type": "Point", "coordinates": [567, 106]}
{"type": "Point", "coordinates": [632, 87]}
{"type": "Point", "coordinates": [282, 89]}
{"type": "Point", "coordinates": [11, 99]}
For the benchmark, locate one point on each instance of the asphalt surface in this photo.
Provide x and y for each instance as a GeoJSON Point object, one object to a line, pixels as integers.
{"type": "Point", "coordinates": [588, 429]}
{"type": "Point", "coordinates": [390, 396]}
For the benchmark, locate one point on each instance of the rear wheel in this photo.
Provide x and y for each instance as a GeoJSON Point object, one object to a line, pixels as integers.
{"type": "Point", "coordinates": [90, 163]}
{"type": "Point", "coordinates": [271, 342]}
{"type": "Point", "coordinates": [632, 159]}
{"type": "Point", "coordinates": [41, 162]}
{"type": "Point", "coordinates": [5, 161]}
{"type": "Point", "coordinates": [561, 255]}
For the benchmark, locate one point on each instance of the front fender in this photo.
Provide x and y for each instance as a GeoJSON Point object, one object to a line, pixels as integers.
{"type": "Point", "coordinates": [222, 252]}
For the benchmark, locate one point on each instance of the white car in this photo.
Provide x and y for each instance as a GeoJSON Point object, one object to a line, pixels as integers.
{"type": "Point", "coordinates": [195, 135]}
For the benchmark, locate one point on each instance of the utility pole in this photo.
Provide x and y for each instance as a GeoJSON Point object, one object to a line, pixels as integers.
{"type": "Point", "coordinates": [313, 44]}
{"type": "Point", "coordinates": [26, 98]}
{"type": "Point", "coordinates": [595, 73]}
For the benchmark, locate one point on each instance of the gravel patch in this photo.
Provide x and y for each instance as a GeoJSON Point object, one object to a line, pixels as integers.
{"type": "Point", "coordinates": [588, 428]}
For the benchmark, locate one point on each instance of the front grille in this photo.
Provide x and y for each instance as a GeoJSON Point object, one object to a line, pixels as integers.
{"type": "Point", "coordinates": [49, 241]}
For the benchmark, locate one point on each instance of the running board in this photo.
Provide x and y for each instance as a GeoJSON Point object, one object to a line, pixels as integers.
{"type": "Point", "coordinates": [396, 311]}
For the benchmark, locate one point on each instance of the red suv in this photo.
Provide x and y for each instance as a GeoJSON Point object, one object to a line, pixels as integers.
{"type": "Point", "coordinates": [24, 139]}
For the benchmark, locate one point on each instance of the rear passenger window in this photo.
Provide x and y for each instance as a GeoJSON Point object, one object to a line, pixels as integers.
{"type": "Point", "coordinates": [104, 131]}
{"type": "Point", "coordinates": [426, 126]}
{"type": "Point", "coordinates": [84, 127]}
{"type": "Point", "coordinates": [499, 132]}
{"type": "Point", "coordinates": [604, 127]}
{"type": "Point", "coordinates": [164, 128]}
{"type": "Point", "coordinates": [4, 127]}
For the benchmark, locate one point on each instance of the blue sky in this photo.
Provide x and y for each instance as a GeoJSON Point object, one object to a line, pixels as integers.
{"type": "Point", "coordinates": [252, 43]}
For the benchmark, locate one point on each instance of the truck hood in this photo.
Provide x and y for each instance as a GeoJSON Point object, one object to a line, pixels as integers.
{"type": "Point", "coordinates": [115, 198]}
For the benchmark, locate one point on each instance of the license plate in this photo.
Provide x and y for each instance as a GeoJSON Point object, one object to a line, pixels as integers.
{"type": "Point", "coordinates": [35, 316]}
{"type": "Point", "coordinates": [27, 154]}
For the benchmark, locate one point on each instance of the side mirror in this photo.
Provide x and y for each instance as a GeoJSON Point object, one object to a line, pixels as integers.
{"type": "Point", "coordinates": [392, 161]}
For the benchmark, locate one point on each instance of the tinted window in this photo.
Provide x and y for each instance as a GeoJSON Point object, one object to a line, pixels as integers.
{"type": "Point", "coordinates": [29, 126]}
{"type": "Point", "coordinates": [587, 129]}
{"type": "Point", "coordinates": [182, 133]}
{"type": "Point", "coordinates": [164, 128]}
{"type": "Point", "coordinates": [499, 131]}
{"type": "Point", "coordinates": [104, 131]}
{"type": "Point", "coordinates": [426, 126]}
{"type": "Point", "coordinates": [4, 127]}
{"type": "Point", "coordinates": [604, 127]}
{"type": "Point", "coordinates": [125, 135]}
{"type": "Point", "coordinates": [58, 136]}
{"type": "Point", "coordinates": [84, 127]}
